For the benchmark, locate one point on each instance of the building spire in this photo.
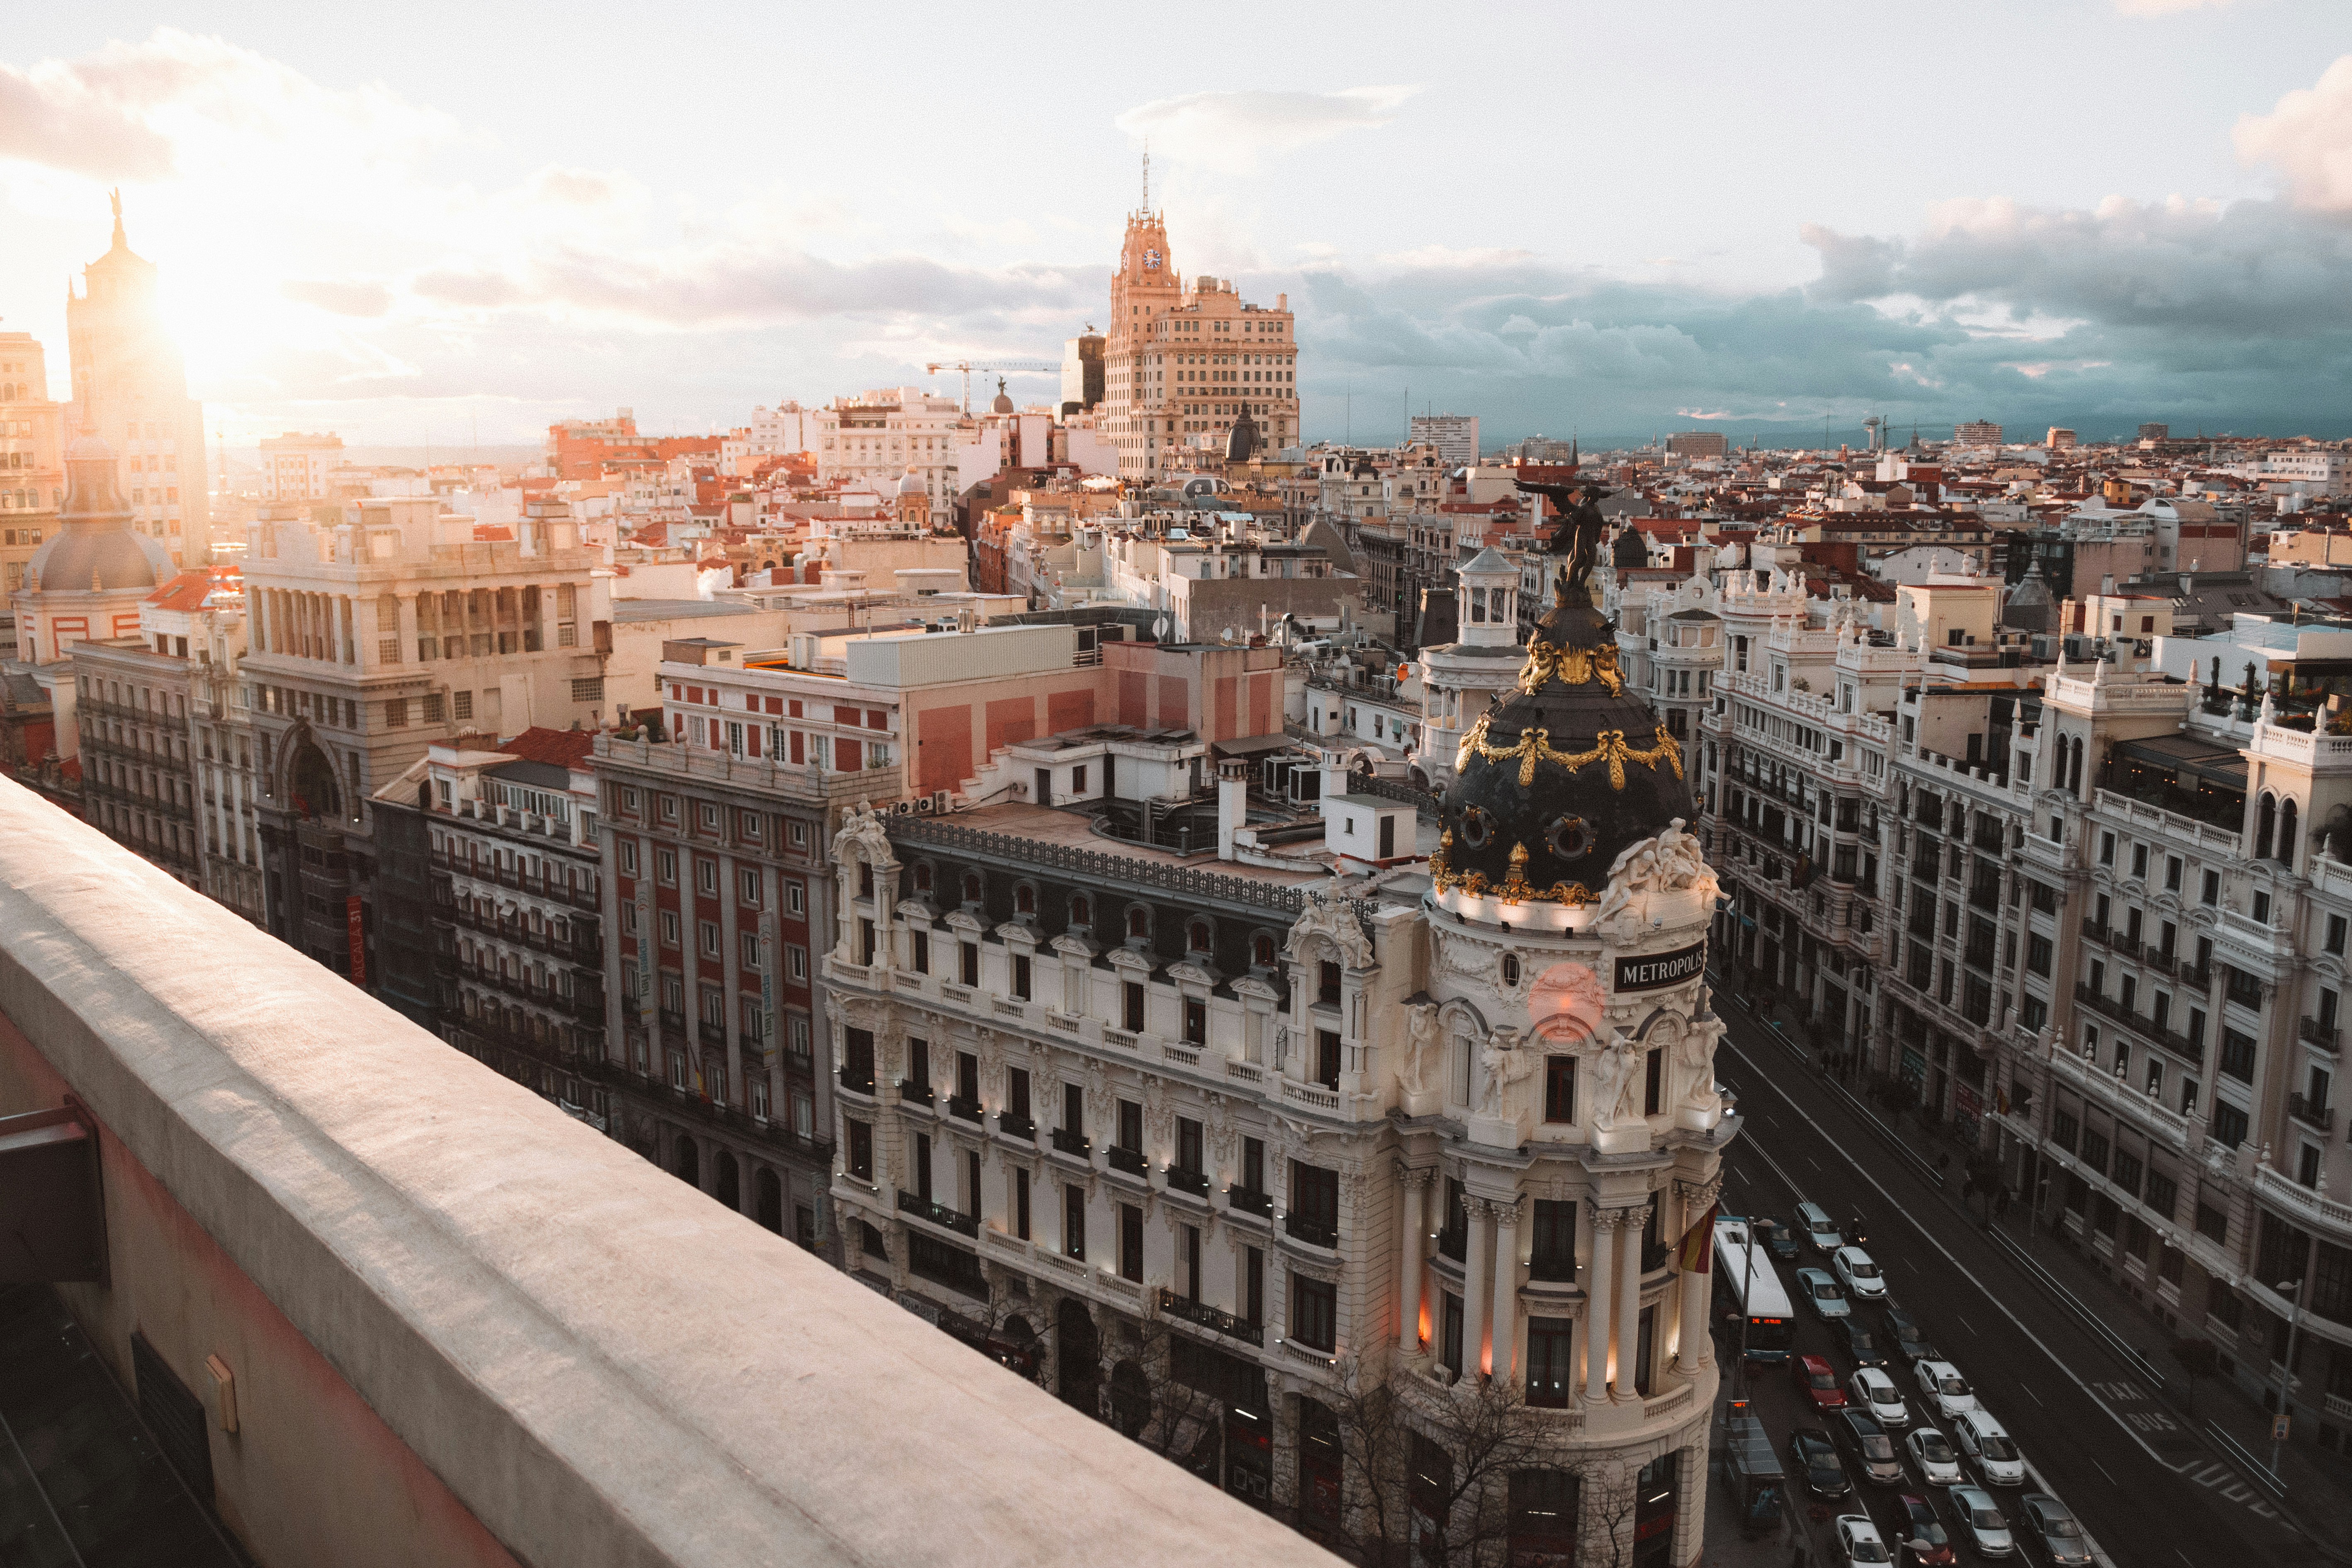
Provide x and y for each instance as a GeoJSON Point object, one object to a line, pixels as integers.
{"type": "Point", "coordinates": [1146, 182]}
{"type": "Point", "coordinates": [115, 195]}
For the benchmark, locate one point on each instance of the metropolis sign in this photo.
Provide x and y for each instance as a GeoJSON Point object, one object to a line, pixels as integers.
{"type": "Point", "coordinates": [1655, 971]}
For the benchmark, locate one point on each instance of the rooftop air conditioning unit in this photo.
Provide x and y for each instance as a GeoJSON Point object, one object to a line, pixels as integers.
{"type": "Point", "coordinates": [923, 806]}
{"type": "Point", "coordinates": [901, 807]}
{"type": "Point", "coordinates": [939, 802]}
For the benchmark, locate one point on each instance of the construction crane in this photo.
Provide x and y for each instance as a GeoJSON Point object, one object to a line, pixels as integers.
{"type": "Point", "coordinates": [1011, 367]}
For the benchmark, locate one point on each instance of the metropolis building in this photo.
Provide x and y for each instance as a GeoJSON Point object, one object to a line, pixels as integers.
{"type": "Point", "coordinates": [1301, 1179]}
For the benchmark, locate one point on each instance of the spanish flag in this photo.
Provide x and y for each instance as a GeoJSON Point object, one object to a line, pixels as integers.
{"type": "Point", "coordinates": [1695, 1254]}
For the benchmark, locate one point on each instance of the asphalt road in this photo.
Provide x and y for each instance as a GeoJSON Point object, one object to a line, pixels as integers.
{"type": "Point", "coordinates": [2147, 1489]}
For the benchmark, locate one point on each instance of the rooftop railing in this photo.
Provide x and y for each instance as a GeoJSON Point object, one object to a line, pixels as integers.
{"type": "Point", "coordinates": [447, 1308]}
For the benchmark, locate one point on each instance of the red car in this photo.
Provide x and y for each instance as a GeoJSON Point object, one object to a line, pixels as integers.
{"type": "Point", "coordinates": [1921, 1538]}
{"type": "Point", "coordinates": [1820, 1383]}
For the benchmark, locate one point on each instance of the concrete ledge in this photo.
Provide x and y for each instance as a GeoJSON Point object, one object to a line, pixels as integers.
{"type": "Point", "coordinates": [604, 1366]}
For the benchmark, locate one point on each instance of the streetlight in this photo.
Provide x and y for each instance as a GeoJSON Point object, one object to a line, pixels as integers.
{"type": "Point", "coordinates": [2294, 1293]}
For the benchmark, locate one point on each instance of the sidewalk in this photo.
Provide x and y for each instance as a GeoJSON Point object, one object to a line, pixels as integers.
{"type": "Point", "coordinates": [1724, 1547]}
{"type": "Point", "coordinates": [2318, 1483]}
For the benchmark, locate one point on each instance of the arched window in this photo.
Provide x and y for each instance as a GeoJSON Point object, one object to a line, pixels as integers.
{"type": "Point", "coordinates": [1196, 937]}
{"type": "Point", "coordinates": [1082, 911]}
{"type": "Point", "coordinates": [1510, 969]}
{"type": "Point", "coordinates": [2287, 833]}
{"type": "Point", "coordinates": [972, 886]}
{"type": "Point", "coordinates": [2265, 824]}
{"type": "Point", "coordinates": [1024, 900]}
{"type": "Point", "coordinates": [1139, 922]}
{"type": "Point", "coordinates": [1262, 951]}
{"type": "Point", "coordinates": [922, 876]}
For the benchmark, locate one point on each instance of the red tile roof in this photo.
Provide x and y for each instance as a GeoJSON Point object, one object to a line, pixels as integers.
{"type": "Point", "coordinates": [562, 748]}
{"type": "Point", "coordinates": [186, 590]}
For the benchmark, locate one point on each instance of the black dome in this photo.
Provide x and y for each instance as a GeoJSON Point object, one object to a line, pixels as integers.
{"type": "Point", "coordinates": [1561, 775]}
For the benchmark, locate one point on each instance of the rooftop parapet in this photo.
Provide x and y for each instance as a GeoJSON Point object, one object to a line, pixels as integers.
{"type": "Point", "coordinates": [464, 1328]}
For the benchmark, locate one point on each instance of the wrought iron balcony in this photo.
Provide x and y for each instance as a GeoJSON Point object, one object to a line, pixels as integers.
{"type": "Point", "coordinates": [1065, 1141]}
{"type": "Point", "coordinates": [938, 1214]}
{"type": "Point", "coordinates": [1250, 1200]}
{"type": "Point", "coordinates": [966, 1109]}
{"type": "Point", "coordinates": [2312, 1032]}
{"type": "Point", "coordinates": [1129, 1161]}
{"type": "Point", "coordinates": [914, 1093]}
{"type": "Point", "coordinates": [1213, 1318]}
{"type": "Point", "coordinates": [2303, 1110]}
{"type": "Point", "coordinates": [1314, 1233]}
{"type": "Point", "coordinates": [1193, 1182]}
{"type": "Point", "coordinates": [857, 1082]}
{"type": "Point", "coordinates": [1012, 1126]}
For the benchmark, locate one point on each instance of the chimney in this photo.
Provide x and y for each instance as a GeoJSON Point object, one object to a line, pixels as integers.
{"type": "Point", "coordinates": [1233, 802]}
{"type": "Point", "coordinates": [2108, 585]}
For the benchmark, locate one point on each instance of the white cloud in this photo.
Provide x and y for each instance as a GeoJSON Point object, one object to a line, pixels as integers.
{"type": "Point", "coordinates": [2307, 136]}
{"type": "Point", "coordinates": [1229, 132]}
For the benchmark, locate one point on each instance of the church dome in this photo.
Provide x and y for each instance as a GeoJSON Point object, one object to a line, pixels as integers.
{"type": "Point", "coordinates": [1561, 775]}
{"type": "Point", "coordinates": [1241, 441]}
{"type": "Point", "coordinates": [96, 550]}
{"type": "Point", "coordinates": [910, 483]}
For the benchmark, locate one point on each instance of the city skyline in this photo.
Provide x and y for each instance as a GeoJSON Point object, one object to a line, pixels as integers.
{"type": "Point", "coordinates": [436, 258]}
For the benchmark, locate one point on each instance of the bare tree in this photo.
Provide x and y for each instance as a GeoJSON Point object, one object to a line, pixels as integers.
{"type": "Point", "coordinates": [1452, 1475]}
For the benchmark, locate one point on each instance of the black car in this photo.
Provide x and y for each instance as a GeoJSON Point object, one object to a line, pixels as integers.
{"type": "Point", "coordinates": [1907, 1342]}
{"type": "Point", "coordinates": [1862, 1346]}
{"type": "Point", "coordinates": [1777, 1237]}
{"type": "Point", "coordinates": [1816, 1459]}
{"type": "Point", "coordinates": [1868, 1448]}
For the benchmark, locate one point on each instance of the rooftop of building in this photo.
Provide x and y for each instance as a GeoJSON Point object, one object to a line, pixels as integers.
{"type": "Point", "coordinates": [449, 1309]}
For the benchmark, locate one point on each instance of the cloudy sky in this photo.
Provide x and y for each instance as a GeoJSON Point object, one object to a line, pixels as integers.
{"type": "Point", "coordinates": [430, 222]}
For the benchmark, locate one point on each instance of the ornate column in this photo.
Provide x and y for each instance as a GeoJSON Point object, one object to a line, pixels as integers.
{"type": "Point", "coordinates": [1506, 1286]}
{"type": "Point", "coordinates": [1475, 1309]}
{"type": "Point", "coordinates": [1417, 1183]}
{"type": "Point", "coordinates": [1627, 1327]}
{"type": "Point", "coordinates": [1596, 1304]}
{"type": "Point", "coordinates": [1697, 1348]}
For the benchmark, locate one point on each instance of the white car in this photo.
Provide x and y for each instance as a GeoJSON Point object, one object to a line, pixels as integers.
{"type": "Point", "coordinates": [1987, 1445]}
{"type": "Point", "coordinates": [1828, 1302]}
{"type": "Point", "coordinates": [1878, 1398]}
{"type": "Point", "coordinates": [1982, 1517]}
{"type": "Point", "coordinates": [1859, 1543]}
{"type": "Point", "coordinates": [1932, 1456]}
{"type": "Point", "coordinates": [1820, 1231]}
{"type": "Point", "coordinates": [1858, 1274]}
{"type": "Point", "coordinates": [1941, 1385]}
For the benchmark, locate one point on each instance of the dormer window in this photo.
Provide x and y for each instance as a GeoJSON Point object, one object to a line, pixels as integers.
{"type": "Point", "coordinates": [1024, 900]}
{"type": "Point", "coordinates": [922, 878]}
{"type": "Point", "coordinates": [1082, 911]}
{"type": "Point", "coordinates": [1262, 951]}
{"type": "Point", "coordinates": [1196, 937]}
{"type": "Point", "coordinates": [1139, 923]}
{"type": "Point", "coordinates": [970, 888]}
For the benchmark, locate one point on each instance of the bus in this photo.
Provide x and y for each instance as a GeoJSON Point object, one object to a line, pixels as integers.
{"type": "Point", "coordinates": [1751, 1291]}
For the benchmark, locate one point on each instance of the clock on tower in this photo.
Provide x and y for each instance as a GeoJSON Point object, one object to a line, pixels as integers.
{"type": "Point", "coordinates": [1151, 260]}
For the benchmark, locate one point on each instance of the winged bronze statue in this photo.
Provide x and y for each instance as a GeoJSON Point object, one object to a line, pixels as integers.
{"type": "Point", "coordinates": [1577, 537]}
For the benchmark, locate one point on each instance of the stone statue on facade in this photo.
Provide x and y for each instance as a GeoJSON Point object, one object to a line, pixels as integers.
{"type": "Point", "coordinates": [1421, 1049]}
{"type": "Point", "coordinates": [1671, 862]}
{"type": "Point", "coordinates": [1504, 1065]}
{"type": "Point", "coordinates": [1616, 1098]}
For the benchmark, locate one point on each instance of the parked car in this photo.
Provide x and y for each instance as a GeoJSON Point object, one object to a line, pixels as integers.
{"type": "Point", "coordinates": [1858, 1272]}
{"type": "Point", "coordinates": [2052, 1526]}
{"type": "Point", "coordinates": [1875, 1393]}
{"type": "Point", "coordinates": [1988, 1449]}
{"type": "Point", "coordinates": [1910, 1340]}
{"type": "Point", "coordinates": [1822, 1294]}
{"type": "Point", "coordinates": [1820, 1231]}
{"type": "Point", "coordinates": [1932, 1454]}
{"type": "Point", "coordinates": [1867, 1448]}
{"type": "Point", "coordinates": [1816, 1457]}
{"type": "Point", "coordinates": [1941, 1385]}
{"type": "Point", "coordinates": [1778, 1239]}
{"type": "Point", "coordinates": [1859, 1543]}
{"type": "Point", "coordinates": [1985, 1526]}
{"type": "Point", "coordinates": [1821, 1385]}
{"type": "Point", "coordinates": [1861, 1343]}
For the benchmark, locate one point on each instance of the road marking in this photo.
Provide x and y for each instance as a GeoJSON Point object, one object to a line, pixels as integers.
{"type": "Point", "coordinates": [2031, 1395]}
{"type": "Point", "coordinates": [2102, 1470]}
{"type": "Point", "coordinates": [1965, 1323]}
{"type": "Point", "coordinates": [1816, 1164]}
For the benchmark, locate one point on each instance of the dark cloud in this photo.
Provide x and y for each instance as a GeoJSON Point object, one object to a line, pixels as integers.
{"type": "Point", "coordinates": [350, 296]}
{"type": "Point", "coordinates": [2237, 317]}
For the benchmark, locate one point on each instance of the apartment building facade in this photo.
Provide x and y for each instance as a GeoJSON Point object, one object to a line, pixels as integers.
{"type": "Point", "coordinates": [1176, 1142]}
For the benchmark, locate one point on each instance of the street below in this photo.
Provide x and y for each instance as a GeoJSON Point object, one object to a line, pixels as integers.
{"type": "Point", "coordinates": [2090, 1423]}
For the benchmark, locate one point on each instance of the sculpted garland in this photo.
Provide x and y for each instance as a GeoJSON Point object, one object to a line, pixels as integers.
{"type": "Point", "coordinates": [1534, 745]}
